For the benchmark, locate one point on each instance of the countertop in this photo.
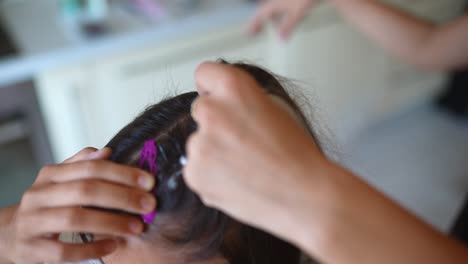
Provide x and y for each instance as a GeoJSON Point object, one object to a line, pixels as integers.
{"type": "Point", "coordinates": [45, 42]}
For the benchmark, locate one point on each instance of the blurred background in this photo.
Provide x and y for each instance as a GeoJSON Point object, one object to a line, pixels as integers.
{"type": "Point", "coordinates": [72, 73]}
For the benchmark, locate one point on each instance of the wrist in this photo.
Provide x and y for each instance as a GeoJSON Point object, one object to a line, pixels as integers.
{"type": "Point", "coordinates": [310, 205]}
{"type": "Point", "coordinates": [318, 208]}
{"type": "Point", "coordinates": [324, 196]}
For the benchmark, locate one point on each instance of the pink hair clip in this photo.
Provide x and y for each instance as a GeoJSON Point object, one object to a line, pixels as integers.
{"type": "Point", "coordinates": [147, 161]}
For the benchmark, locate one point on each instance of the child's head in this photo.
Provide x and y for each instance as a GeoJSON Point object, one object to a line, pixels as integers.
{"type": "Point", "coordinates": [185, 230]}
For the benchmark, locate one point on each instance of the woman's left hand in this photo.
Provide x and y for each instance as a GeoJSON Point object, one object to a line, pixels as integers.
{"type": "Point", "coordinates": [54, 205]}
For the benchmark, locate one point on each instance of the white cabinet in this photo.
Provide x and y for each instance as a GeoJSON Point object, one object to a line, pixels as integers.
{"type": "Point", "coordinates": [124, 85]}
{"type": "Point", "coordinates": [61, 95]}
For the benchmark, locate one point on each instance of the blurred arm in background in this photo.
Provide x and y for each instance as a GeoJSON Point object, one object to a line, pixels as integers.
{"type": "Point", "coordinates": [412, 39]}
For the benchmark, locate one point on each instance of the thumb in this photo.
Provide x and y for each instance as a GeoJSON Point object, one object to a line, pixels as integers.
{"type": "Point", "coordinates": [225, 82]}
{"type": "Point", "coordinates": [90, 154]}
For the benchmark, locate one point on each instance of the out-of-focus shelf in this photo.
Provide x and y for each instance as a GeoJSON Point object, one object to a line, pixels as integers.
{"type": "Point", "coordinates": [12, 130]}
{"type": "Point", "coordinates": [45, 43]}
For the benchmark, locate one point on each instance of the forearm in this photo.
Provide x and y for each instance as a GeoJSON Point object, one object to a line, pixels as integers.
{"type": "Point", "coordinates": [408, 37]}
{"type": "Point", "coordinates": [360, 225]}
{"type": "Point", "coordinates": [6, 217]}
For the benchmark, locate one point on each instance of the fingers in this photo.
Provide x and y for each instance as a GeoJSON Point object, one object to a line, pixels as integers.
{"type": "Point", "coordinates": [50, 251]}
{"type": "Point", "coordinates": [210, 115]}
{"type": "Point", "coordinates": [93, 193]}
{"type": "Point", "coordinates": [288, 13]}
{"type": "Point", "coordinates": [97, 169]}
{"type": "Point", "coordinates": [81, 155]}
{"type": "Point", "coordinates": [266, 12]}
{"type": "Point", "coordinates": [90, 154]}
{"type": "Point", "coordinates": [208, 112]}
{"type": "Point", "coordinates": [225, 81]}
{"type": "Point", "coordinates": [194, 149]}
{"type": "Point", "coordinates": [288, 24]}
{"type": "Point", "coordinates": [60, 220]}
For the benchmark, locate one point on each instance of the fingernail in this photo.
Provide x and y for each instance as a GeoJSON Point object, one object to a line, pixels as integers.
{"type": "Point", "coordinates": [146, 182]}
{"type": "Point", "coordinates": [148, 203]}
{"type": "Point", "coordinates": [135, 227]}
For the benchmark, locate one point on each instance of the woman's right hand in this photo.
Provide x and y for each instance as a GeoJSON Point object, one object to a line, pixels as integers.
{"type": "Point", "coordinates": [60, 199]}
{"type": "Point", "coordinates": [286, 14]}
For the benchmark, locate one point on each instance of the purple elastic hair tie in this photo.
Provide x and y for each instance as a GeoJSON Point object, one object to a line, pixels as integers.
{"type": "Point", "coordinates": [147, 161]}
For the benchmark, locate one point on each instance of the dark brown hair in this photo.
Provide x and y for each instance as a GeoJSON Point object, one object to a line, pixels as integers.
{"type": "Point", "coordinates": [182, 219]}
